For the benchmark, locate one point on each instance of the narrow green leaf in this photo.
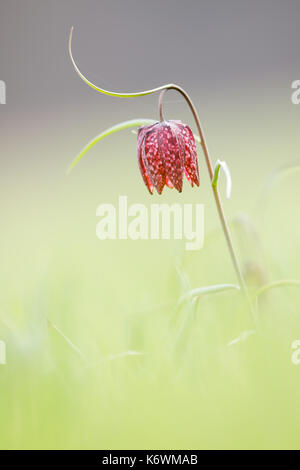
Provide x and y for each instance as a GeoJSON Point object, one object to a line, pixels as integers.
{"type": "Point", "coordinates": [200, 291]}
{"type": "Point", "coordinates": [111, 130]}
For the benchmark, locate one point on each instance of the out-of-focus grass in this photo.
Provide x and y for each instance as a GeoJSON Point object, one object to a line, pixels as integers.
{"type": "Point", "coordinates": [94, 355]}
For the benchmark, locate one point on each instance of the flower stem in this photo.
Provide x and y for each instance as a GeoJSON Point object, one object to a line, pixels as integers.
{"type": "Point", "coordinates": [220, 210]}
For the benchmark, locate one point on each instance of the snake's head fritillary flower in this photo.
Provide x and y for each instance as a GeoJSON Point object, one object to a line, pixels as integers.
{"type": "Point", "coordinates": [167, 151]}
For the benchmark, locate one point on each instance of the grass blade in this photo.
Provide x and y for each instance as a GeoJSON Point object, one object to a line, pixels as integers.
{"type": "Point", "coordinates": [200, 291]}
{"type": "Point", "coordinates": [275, 284]}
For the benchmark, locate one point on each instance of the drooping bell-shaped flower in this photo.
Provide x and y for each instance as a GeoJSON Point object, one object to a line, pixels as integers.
{"type": "Point", "coordinates": [167, 151]}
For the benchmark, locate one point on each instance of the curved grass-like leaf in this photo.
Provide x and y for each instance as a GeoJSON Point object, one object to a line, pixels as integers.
{"type": "Point", "coordinates": [275, 284]}
{"type": "Point", "coordinates": [194, 295]}
{"type": "Point", "coordinates": [273, 179]}
{"type": "Point", "coordinates": [200, 291]}
{"type": "Point", "coordinates": [111, 130]}
{"type": "Point", "coordinates": [106, 92]}
{"type": "Point", "coordinates": [280, 173]}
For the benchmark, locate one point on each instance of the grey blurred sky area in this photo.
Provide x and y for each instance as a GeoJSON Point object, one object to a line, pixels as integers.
{"type": "Point", "coordinates": [210, 47]}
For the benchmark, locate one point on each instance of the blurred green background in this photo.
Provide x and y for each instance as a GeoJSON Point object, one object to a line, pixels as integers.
{"type": "Point", "coordinates": [98, 355]}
